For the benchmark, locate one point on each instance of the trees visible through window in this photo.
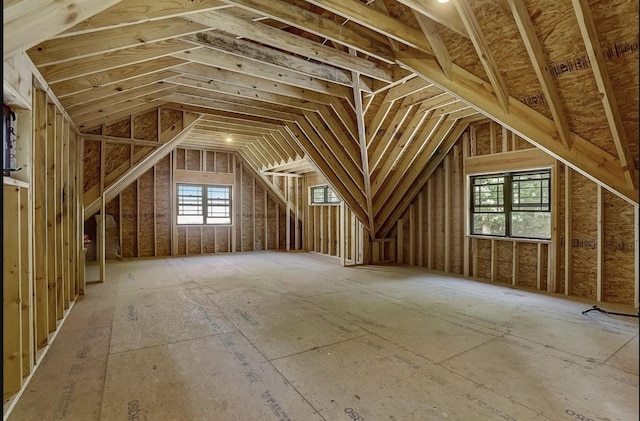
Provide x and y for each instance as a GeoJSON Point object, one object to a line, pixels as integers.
{"type": "Point", "coordinates": [323, 195]}
{"type": "Point", "coordinates": [512, 205]}
{"type": "Point", "coordinates": [204, 205]}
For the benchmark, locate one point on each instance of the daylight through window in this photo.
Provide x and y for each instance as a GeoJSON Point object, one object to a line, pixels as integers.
{"type": "Point", "coordinates": [323, 195]}
{"type": "Point", "coordinates": [512, 205]}
{"type": "Point", "coordinates": [204, 205]}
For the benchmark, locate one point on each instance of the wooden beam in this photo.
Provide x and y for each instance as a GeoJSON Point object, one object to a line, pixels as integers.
{"type": "Point", "coordinates": [430, 31]}
{"type": "Point", "coordinates": [72, 69]}
{"type": "Point", "coordinates": [61, 49]}
{"type": "Point", "coordinates": [111, 77]}
{"type": "Point", "coordinates": [594, 51]}
{"type": "Point", "coordinates": [131, 12]}
{"type": "Point", "coordinates": [376, 20]}
{"type": "Point", "coordinates": [434, 153]}
{"type": "Point", "coordinates": [231, 62]}
{"type": "Point", "coordinates": [142, 166]}
{"type": "Point", "coordinates": [30, 22]}
{"type": "Point", "coordinates": [443, 13]}
{"type": "Point", "coordinates": [482, 48]}
{"type": "Point", "coordinates": [366, 174]}
{"type": "Point", "coordinates": [539, 62]}
{"type": "Point", "coordinates": [316, 24]}
{"type": "Point", "coordinates": [286, 41]}
{"type": "Point", "coordinates": [262, 54]}
{"type": "Point", "coordinates": [591, 161]}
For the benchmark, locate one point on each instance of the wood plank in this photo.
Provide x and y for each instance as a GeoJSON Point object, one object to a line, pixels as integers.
{"type": "Point", "coordinates": [231, 62]}
{"type": "Point", "coordinates": [39, 186]}
{"type": "Point", "coordinates": [567, 230]}
{"type": "Point", "coordinates": [539, 62]}
{"type": "Point", "coordinates": [605, 88]}
{"type": "Point", "coordinates": [318, 25]}
{"type": "Point", "coordinates": [590, 160]}
{"type": "Point", "coordinates": [444, 14]}
{"type": "Point", "coordinates": [77, 68]}
{"type": "Point", "coordinates": [12, 369]}
{"type": "Point", "coordinates": [482, 48]}
{"type": "Point", "coordinates": [430, 31]}
{"type": "Point", "coordinates": [32, 21]}
{"type": "Point", "coordinates": [142, 166]}
{"type": "Point", "coordinates": [79, 46]}
{"type": "Point", "coordinates": [114, 76]}
{"type": "Point", "coordinates": [377, 21]}
{"type": "Point", "coordinates": [286, 41]}
{"type": "Point", "coordinates": [266, 55]}
{"type": "Point", "coordinates": [54, 120]}
{"type": "Point", "coordinates": [26, 285]}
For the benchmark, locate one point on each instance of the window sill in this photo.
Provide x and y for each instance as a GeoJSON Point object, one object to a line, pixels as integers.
{"type": "Point", "coordinates": [512, 239]}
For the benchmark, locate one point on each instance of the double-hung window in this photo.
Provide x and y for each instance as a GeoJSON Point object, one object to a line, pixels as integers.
{"type": "Point", "coordinates": [512, 205]}
{"type": "Point", "coordinates": [323, 195]}
{"type": "Point", "coordinates": [204, 205]}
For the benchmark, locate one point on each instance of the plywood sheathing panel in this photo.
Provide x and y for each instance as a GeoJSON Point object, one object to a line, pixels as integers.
{"type": "Point", "coordinates": [193, 160]}
{"type": "Point", "coordinates": [504, 261]}
{"type": "Point", "coordinates": [169, 118]}
{"type": "Point", "coordinates": [115, 155]}
{"type": "Point", "coordinates": [194, 245]}
{"type": "Point", "coordinates": [120, 128]}
{"type": "Point", "coordinates": [510, 54]}
{"type": "Point", "coordinates": [376, 138]}
{"type": "Point", "coordinates": [271, 224]}
{"type": "Point", "coordinates": [222, 239]}
{"type": "Point", "coordinates": [456, 211]}
{"type": "Point", "coordinates": [483, 139]}
{"type": "Point", "coordinates": [619, 250]}
{"type": "Point", "coordinates": [146, 215]}
{"type": "Point", "coordinates": [437, 222]}
{"type": "Point", "coordinates": [557, 29]}
{"type": "Point", "coordinates": [484, 259]}
{"type": "Point", "coordinates": [222, 162]}
{"type": "Point", "coordinates": [528, 263]}
{"type": "Point", "coordinates": [583, 237]}
{"type": "Point", "coordinates": [462, 52]}
{"type": "Point", "coordinates": [182, 240]}
{"type": "Point", "coordinates": [617, 24]}
{"type": "Point", "coordinates": [129, 197]}
{"type": "Point", "coordinates": [145, 126]}
{"type": "Point", "coordinates": [208, 239]}
{"type": "Point", "coordinates": [180, 155]}
{"type": "Point", "coordinates": [91, 164]}
{"type": "Point", "coordinates": [259, 218]}
{"type": "Point", "coordinates": [140, 152]}
{"type": "Point", "coordinates": [210, 161]}
{"type": "Point", "coordinates": [562, 209]}
{"type": "Point", "coordinates": [163, 207]}
{"type": "Point", "coordinates": [246, 190]}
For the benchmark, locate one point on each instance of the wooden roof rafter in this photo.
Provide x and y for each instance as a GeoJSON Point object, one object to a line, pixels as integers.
{"type": "Point", "coordinates": [592, 43]}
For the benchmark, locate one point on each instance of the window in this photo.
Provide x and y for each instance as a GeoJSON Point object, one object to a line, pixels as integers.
{"type": "Point", "coordinates": [323, 195]}
{"type": "Point", "coordinates": [512, 205]}
{"type": "Point", "coordinates": [204, 205]}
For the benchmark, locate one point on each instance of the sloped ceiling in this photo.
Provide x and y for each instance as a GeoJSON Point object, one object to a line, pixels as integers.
{"type": "Point", "coordinates": [365, 92]}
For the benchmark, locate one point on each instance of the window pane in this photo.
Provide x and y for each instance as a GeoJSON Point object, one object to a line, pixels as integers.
{"type": "Point", "coordinates": [332, 197]}
{"type": "Point", "coordinates": [488, 198]}
{"type": "Point", "coordinates": [218, 205]}
{"type": "Point", "coordinates": [530, 192]}
{"type": "Point", "coordinates": [488, 224]}
{"type": "Point", "coordinates": [190, 204]}
{"type": "Point", "coordinates": [317, 194]}
{"type": "Point", "coordinates": [531, 224]}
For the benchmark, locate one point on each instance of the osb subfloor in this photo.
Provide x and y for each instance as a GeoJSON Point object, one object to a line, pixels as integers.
{"type": "Point", "coordinates": [276, 336]}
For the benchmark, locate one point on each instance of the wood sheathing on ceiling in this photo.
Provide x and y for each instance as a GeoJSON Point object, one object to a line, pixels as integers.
{"type": "Point", "coordinates": [368, 93]}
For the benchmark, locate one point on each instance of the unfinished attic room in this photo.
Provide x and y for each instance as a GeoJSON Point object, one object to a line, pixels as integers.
{"type": "Point", "coordinates": [320, 210]}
